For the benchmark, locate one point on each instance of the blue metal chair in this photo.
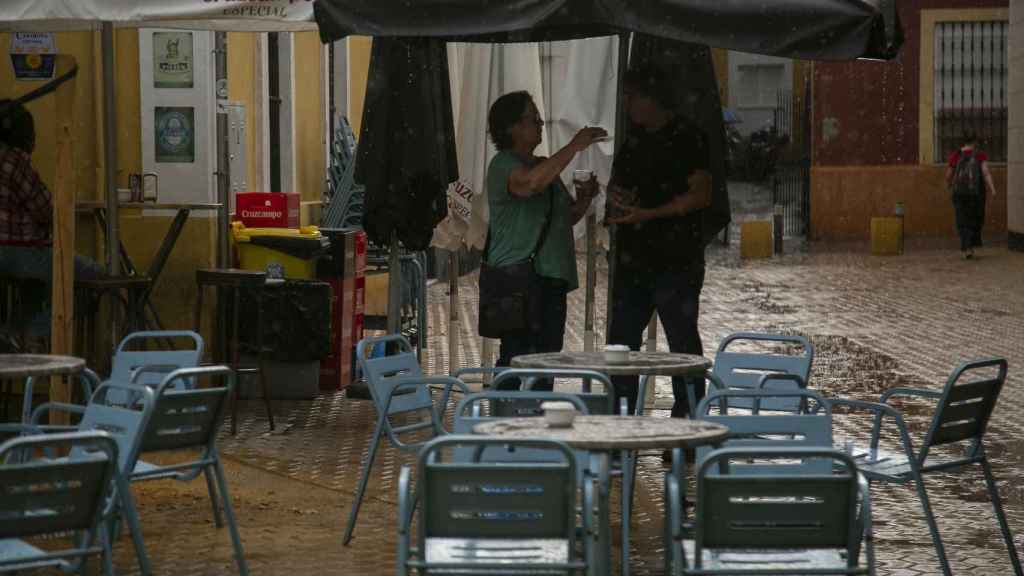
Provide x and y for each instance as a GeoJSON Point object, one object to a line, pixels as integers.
{"type": "Point", "coordinates": [191, 419]}
{"type": "Point", "coordinates": [811, 428]}
{"type": "Point", "coordinates": [961, 418]}
{"type": "Point", "coordinates": [746, 370]}
{"type": "Point", "coordinates": [127, 362]}
{"type": "Point", "coordinates": [784, 523]}
{"type": "Point", "coordinates": [125, 424]}
{"type": "Point", "coordinates": [87, 378]}
{"type": "Point", "coordinates": [602, 403]}
{"type": "Point", "coordinates": [52, 497]}
{"type": "Point", "coordinates": [164, 420]}
{"type": "Point", "coordinates": [398, 387]}
{"type": "Point", "coordinates": [494, 517]}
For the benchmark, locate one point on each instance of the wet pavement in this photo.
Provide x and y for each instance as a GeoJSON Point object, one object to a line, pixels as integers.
{"type": "Point", "coordinates": [875, 322]}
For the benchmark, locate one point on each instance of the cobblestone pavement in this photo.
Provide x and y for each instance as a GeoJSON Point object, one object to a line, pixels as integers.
{"type": "Point", "coordinates": [875, 323]}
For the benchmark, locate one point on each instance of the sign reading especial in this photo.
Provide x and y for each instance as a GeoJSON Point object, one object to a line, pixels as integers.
{"type": "Point", "coordinates": [263, 8]}
{"type": "Point", "coordinates": [240, 15]}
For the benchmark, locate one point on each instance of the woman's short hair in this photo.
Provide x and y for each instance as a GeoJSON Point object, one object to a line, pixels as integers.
{"type": "Point", "coordinates": [17, 128]}
{"type": "Point", "coordinates": [651, 82]}
{"type": "Point", "coordinates": [504, 113]}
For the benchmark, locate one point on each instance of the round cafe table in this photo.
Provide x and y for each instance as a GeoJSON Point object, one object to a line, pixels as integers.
{"type": "Point", "coordinates": [32, 366]}
{"type": "Point", "coordinates": [643, 364]}
{"type": "Point", "coordinates": [603, 435]}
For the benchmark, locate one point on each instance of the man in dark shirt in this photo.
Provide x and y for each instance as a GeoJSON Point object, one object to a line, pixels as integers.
{"type": "Point", "coordinates": [664, 164]}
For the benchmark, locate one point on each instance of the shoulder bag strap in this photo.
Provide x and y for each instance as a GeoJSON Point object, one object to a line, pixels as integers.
{"type": "Point", "coordinates": [540, 239]}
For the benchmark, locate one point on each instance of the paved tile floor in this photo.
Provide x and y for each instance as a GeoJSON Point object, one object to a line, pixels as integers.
{"type": "Point", "coordinates": [875, 323]}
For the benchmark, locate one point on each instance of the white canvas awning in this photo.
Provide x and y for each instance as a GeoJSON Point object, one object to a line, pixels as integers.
{"type": "Point", "coordinates": [233, 15]}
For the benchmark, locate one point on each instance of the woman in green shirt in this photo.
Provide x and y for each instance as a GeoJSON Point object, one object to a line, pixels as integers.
{"type": "Point", "coordinates": [525, 192]}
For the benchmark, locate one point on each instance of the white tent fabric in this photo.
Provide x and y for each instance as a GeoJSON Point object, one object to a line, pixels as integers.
{"type": "Point", "coordinates": [235, 15]}
{"type": "Point", "coordinates": [573, 84]}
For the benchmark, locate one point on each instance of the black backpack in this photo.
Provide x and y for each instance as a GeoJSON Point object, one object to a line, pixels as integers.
{"type": "Point", "coordinates": [967, 175]}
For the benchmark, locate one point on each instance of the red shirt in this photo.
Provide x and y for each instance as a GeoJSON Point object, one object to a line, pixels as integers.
{"type": "Point", "coordinates": [955, 156]}
{"type": "Point", "coordinates": [26, 207]}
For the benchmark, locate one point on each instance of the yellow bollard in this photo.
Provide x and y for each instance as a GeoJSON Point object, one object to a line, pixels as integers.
{"type": "Point", "coordinates": [756, 239]}
{"type": "Point", "coordinates": [886, 235]}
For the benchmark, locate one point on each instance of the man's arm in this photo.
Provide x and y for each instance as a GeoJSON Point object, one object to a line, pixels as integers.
{"type": "Point", "coordinates": [697, 198]}
{"type": "Point", "coordinates": [989, 183]}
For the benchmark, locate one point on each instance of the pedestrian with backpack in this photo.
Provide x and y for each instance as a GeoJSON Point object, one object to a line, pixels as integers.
{"type": "Point", "coordinates": [969, 182]}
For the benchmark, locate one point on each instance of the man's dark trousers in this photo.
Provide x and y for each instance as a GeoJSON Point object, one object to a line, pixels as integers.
{"type": "Point", "coordinates": [676, 297]}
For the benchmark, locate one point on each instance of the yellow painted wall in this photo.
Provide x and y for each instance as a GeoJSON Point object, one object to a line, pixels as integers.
{"type": "Point", "coordinates": [310, 138]}
{"type": "Point", "coordinates": [243, 58]}
{"type": "Point", "coordinates": [142, 235]}
{"type": "Point", "coordinates": [720, 59]}
{"type": "Point", "coordinates": [86, 126]}
{"type": "Point", "coordinates": [845, 198]}
{"type": "Point", "coordinates": [358, 69]}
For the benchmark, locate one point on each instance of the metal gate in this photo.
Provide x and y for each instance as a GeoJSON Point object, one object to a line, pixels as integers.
{"type": "Point", "coordinates": [791, 176]}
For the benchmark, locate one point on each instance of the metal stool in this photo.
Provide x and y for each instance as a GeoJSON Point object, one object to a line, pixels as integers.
{"type": "Point", "coordinates": [237, 280]}
{"type": "Point", "coordinates": [124, 292]}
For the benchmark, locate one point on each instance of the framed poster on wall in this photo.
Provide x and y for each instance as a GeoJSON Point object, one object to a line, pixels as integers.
{"type": "Point", "coordinates": [173, 62]}
{"type": "Point", "coordinates": [174, 134]}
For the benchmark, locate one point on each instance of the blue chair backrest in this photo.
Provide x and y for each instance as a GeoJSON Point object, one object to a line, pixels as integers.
{"type": "Point", "coordinates": [187, 418]}
{"type": "Point", "coordinates": [789, 511]}
{"type": "Point", "coordinates": [749, 370]}
{"type": "Point", "coordinates": [966, 405]}
{"type": "Point", "coordinates": [598, 403]}
{"type": "Point", "coordinates": [124, 423]}
{"type": "Point", "coordinates": [812, 429]}
{"type": "Point", "coordinates": [506, 404]}
{"type": "Point", "coordinates": [496, 500]}
{"type": "Point", "coordinates": [54, 495]}
{"type": "Point", "coordinates": [381, 371]}
{"type": "Point", "coordinates": [128, 359]}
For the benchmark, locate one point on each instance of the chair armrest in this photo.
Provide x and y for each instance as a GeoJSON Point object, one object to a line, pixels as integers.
{"type": "Point", "coordinates": [936, 394]}
{"type": "Point", "coordinates": [417, 381]}
{"type": "Point", "coordinates": [404, 503]}
{"type": "Point", "coordinates": [483, 371]}
{"type": "Point", "coordinates": [57, 406]}
{"type": "Point", "coordinates": [90, 381]}
{"type": "Point", "coordinates": [590, 528]}
{"type": "Point", "coordinates": [879, 411]}
{"type": "Point", "coordinates": [715, 380]}
{"type": "Point", "coordinates": [866, 519]}
{"type": "Point", "coordinates": [152, 369]}
{"type": "Point", "coordinates": [673, 506]}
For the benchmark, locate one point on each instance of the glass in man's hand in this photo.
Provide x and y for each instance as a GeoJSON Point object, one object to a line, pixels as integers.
{"type": "Point", "coordinates": [580, 177]}
{"type": "Point", "coordinates": [585, 183]}
{"type": "Point", "coordinates": [620, 197]}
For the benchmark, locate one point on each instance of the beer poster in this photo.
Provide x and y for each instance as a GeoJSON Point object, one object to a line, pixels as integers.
{"type": "Point", "coordinates": [175, 134]}
{"type": "Point", "coordinates": [173, 64]}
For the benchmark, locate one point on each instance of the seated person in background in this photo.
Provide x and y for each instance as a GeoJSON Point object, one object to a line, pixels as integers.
{"type": "Point", "coordinates": [26, 220]}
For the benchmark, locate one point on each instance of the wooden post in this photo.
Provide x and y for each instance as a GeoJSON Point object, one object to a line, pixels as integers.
{"type": "Point", "coordinates": [63, 291]}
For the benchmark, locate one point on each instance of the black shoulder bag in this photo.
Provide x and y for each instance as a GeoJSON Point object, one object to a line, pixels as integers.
{"type": "Point", "coordinates": [509, 293]}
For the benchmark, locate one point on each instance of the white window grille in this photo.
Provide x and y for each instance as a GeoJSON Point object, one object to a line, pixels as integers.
{"type": "Point", "coordinates": [970, 86]}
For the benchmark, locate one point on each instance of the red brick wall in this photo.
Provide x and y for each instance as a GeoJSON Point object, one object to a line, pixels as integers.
{"type": "Point", "coordinates": [866, 113]}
